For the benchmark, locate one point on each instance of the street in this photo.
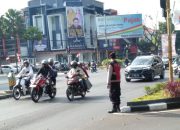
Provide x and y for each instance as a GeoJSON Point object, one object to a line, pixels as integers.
{"type": "Point", "coordinates": [89, 113]}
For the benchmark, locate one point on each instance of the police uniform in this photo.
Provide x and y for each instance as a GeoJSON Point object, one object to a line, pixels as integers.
{"type": "Point", "coordinates": [113, 81]}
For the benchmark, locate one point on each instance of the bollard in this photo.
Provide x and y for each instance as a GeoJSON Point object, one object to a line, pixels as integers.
{"type": "Point", "coordinates": [11, 80]}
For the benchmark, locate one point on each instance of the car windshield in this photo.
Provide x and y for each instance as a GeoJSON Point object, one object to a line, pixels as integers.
{"type": "Point", "coordinates": [142, 61]}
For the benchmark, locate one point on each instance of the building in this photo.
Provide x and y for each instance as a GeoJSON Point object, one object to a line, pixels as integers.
{"type": "Point", "coordinates": [68, 27]}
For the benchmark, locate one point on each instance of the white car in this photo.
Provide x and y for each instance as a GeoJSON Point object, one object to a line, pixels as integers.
{"type": "Point", "coordinates": [57, 65]}
{"type": "Point", "coordinates": [8, 68]}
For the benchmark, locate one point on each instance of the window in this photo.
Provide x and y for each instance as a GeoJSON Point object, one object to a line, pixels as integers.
{"type": "Point", "coordinates": [38, 22]}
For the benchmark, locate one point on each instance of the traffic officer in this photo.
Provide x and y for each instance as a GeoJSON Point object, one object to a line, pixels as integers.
{"type": "Point", "coordinates": [113, 83]}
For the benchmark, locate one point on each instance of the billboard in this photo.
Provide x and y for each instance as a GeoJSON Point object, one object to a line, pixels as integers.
{"type": "Point", "coordinates": [164, 42]}
{"type": "Point", "coordinates": [40, 45]}
{"type": "Point", "coordinates": [75, 28]}
{"type": "Point", "coordinates": [75, 22]}
{"type": "Point", "coordinates": [176, 19]}
{"type": "Point", "coordinates": [119, 26]}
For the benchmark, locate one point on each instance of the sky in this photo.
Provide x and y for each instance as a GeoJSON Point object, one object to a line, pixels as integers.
{"type": "Point", "coordinates": [149, 8]}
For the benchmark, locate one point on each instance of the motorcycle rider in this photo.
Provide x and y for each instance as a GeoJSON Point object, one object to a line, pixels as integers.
{"type": "Point", "coordinates": [45, 70]}
{"type": "Point", "coordinates": [54, 74]}
{"type": "Point", "coordinates": [26, 73]}
{"type": "Point", "coordinates": [75, 70]}
{"type": "Point", "coordinates": [93, 66]}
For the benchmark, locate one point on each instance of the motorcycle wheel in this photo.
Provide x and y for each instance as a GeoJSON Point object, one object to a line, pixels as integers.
{"type": "Point", "coordinates": [83, 94]}
{"type": "Point", "coordinates": [16, 93]}
{"type": "Point", "coordinates": [35, 95]}
{"type": "Point", "coordinates": [52, 92]}
{"type": "Point", "coordinates": [70, 94]}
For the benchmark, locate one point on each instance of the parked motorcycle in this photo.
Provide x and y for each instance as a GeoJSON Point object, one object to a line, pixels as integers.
{"type": "Point", "coordinates": [18, 89]}
{"type": "Point", "coordinates": [74, 87]}
{"type": "Point", "coordinates": [42, 85]}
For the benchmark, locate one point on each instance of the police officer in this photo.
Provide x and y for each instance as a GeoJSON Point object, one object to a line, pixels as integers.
{"type": "Point", "coordinates": [113, 83]}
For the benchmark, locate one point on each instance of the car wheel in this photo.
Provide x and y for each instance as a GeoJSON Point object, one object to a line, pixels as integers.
{"type": "Point", "coordinates": [151, 78]}
{"type": "Point", "coordinates": [162, 75]}
{"type": "Point", "coordinates": [128, 80]}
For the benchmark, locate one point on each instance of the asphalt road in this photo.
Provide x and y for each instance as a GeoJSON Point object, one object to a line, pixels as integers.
{"type": "Point", "coordinates": [89, 113]}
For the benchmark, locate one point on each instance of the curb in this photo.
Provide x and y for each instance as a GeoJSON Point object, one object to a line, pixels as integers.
{"type": "Point", "coordinates": [5, 96]}
{"type": "Point", "coordinates": [150, 107]}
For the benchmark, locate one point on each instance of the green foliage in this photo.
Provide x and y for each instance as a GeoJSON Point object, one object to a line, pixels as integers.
{"type": "Point", "coordinates": [107, 61]}
{"type": "Point", "coordinates": [155, 96]}
{"type": "Point", "coordinates": [163, 27]}
{"type": "Point", "coordinates": [15, 21]}
{"type": "Point", "coordinates": [4, 28]}
{"type": "Point", "coordinates": [154, 89]}
{"type": "Point", "coordinates": [32, 33]}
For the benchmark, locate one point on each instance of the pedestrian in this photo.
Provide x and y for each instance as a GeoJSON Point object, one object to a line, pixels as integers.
{"type": "Point", "coordinates": [113, 83]}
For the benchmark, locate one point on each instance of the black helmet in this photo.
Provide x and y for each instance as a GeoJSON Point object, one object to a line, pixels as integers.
{"type": "Point", "coordinates": [74, 64]}
{"type": "Point", "coordinates": [50, 60]}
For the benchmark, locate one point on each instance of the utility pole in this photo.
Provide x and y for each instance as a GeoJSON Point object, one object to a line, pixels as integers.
{"type": "Point", "coordinates": [168, 19]}
{"type": "Point", "coordinates": [106, 42]}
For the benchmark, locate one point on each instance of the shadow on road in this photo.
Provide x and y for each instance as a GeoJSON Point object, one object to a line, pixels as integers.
{"type": "Point", "coordinates": [77, 100]}
{"type": "Point", "coordinates": [163, 114]}
{"type": "Point", "coordinates": [147, 81]}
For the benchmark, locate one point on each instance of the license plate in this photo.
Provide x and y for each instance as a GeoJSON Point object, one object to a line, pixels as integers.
{"type": "Point", "coordinates": [135, 75]}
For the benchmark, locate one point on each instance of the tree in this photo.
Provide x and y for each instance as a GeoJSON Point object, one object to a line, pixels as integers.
{"type": "Point", "coordinates": [4, 28]}
{"type": "Point", "coordinates": [32, 34]}
{"type": "Point", "coordinates": [16, 23]}
{"type": "Point", "coordinates": [163, 27]}
{"type": "Point", "coordinates": [152, 38]}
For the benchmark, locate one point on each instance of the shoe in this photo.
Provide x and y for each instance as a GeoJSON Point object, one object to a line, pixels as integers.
{"type": "Point", "coordinates": [118, 109]}
{"type": "Point", "coordinates": [112, 111]}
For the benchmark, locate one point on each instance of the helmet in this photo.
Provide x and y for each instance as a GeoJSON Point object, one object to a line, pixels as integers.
{"type": "Point", "coordinates": [26, 62]}
{"type": "Point", "coordinates": [50, 60]}
{"type": "Point", "coordinates": [74, 64]}
{"type": "Point", "coordinates": [44, 62]}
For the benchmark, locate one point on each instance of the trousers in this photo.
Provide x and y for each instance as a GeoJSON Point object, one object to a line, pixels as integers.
{"type": "Point", "coordinates": [115, 93]}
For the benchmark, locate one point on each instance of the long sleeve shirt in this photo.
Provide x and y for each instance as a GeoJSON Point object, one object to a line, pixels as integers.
{"type": "Point", "coordinates": [109, 75]}
{"type": "Point", "coordinates": [26, 71]}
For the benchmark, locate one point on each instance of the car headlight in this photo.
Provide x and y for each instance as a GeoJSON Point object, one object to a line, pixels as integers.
{"type": "Point", "coordinates": [126, 70]}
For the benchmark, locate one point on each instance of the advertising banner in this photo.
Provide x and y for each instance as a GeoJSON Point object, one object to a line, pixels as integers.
{"type": "Point", "coordinates": [75, 28]}
{"type": "Point", "coordinates": [164, 42]}
{"type": "Point", "coordinates": [76, 43]}
{"type": "Point", "coordinates": [40, 45]}
{"type": "Point", "coordinates": [75, 22]}
{"type": "Point", "coordinates": [120, 26]}
{"type": "Point", "coordinates": [176, 19]}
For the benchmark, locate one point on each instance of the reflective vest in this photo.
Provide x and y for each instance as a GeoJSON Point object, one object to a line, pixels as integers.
{"type": "Point", "coordinates": [116, 71]}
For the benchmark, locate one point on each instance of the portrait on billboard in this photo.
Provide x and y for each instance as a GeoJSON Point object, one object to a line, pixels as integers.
{"type": "Point", "coordinates": [75, 22]}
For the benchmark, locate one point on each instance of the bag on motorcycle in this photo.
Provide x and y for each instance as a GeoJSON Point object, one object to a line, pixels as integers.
{"type": "Point", "coordinates": [88, 83]}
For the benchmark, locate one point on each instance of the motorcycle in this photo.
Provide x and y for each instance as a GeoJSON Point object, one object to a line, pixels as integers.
{"type": "Point", "coordinates": [93, 69]}
{"type": "Point", "coordinates": [18, 90]}
{"type": "Point", "coordinates": [74, 87]}
{"type": "Point", "coordinates": [42, 85]}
